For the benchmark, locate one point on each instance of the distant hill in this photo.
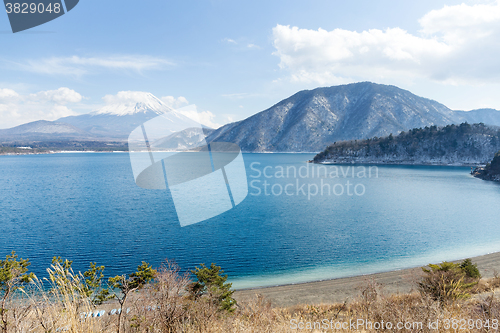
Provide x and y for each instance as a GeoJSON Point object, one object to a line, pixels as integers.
{"type": "Point", "coordinates": [42, 130]}
{"type": "Point", "coordinates": [485, 116]}
{"type": "Point", "coordinates": [310, 120]}
{"type": "Point", "coordinates": [462, 144]}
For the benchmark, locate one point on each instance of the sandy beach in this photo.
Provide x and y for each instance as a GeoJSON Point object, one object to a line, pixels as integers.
{"type": "Point", "coordinates": [340, 290]}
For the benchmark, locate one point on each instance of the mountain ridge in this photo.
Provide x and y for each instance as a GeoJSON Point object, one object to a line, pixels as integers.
{"type": "Point", "coordinates": [307, 121]}
{"type": "Point", "coordinates": [42, 129]}
{"type": "Point", "coordinates": [329, 114]}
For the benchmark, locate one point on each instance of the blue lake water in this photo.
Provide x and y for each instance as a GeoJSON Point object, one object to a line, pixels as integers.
{"type": "Point", "coordinates": [87, 207]}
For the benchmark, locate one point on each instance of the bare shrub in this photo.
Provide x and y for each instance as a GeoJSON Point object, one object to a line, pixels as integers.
{"type": "Point", "coordinates": [170, 296]}
{"type": "Point", "coordinates": [495, 281]}
{"type": "Point", "coordinates": [369, 294]}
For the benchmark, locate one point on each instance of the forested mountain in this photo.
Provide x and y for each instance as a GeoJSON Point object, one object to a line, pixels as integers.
{"type": "Point", "coordinates": [310, 120]}
{"type": "Point", "coordinates": [462, 144]}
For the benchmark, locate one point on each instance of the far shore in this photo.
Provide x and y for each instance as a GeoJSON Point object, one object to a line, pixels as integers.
{"type": "Point", "coordinates": [50, 152]}
{"type": "Point", "coordinates": [345, 289]}
{"type": "Point", "coordinates": [399, 163]}
{"type": "Point", "coordinates": [392, 163]}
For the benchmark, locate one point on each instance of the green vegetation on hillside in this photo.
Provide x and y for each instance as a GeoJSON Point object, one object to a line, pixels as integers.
{"type": "Point", "coordinates": [452, 143]}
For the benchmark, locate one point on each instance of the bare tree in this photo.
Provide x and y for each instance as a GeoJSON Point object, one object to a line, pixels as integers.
{"type": "Point", "coordinates": [170, 292]}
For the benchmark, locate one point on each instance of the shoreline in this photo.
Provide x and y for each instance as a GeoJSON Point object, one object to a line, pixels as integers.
{"type": "Point", "coordinates": [400, 163]}
{"type": "Point", "coordinates": [341, 289]}
{"type": "Point", "coordinates": [127, 151]}
{"type": "Point", "coordinates": [51, 152]}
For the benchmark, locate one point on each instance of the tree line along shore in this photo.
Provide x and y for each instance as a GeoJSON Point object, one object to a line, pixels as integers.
{"type": "Point", "coordinates": [463, 144]}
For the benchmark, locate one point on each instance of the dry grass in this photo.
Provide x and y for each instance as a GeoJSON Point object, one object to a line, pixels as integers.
{"type": "Point", "coordinates": [165, 306]}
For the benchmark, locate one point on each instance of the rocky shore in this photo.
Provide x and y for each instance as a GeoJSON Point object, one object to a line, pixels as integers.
{"type": "Point", "coordinates": [491, 171]}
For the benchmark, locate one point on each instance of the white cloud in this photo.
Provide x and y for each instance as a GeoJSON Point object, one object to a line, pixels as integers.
{"type": "Point", "coordinates": [124, 97]}
{"type": "Point", "coordinates": [456, 45]}
{"type": "Point", "coordinates": [462, 22]}
{"type": "Point", "coordinates": [230, 41]}
{"type": "Point", "coordinates": [120, 103]}
{"type": "Point", "coordinates": [59, 96]}
{"type": "Point", "coordinates": [78, 66]}
{"type": "Point", "coordinates": [17, 109]}
{"type": "Point", "coordinates": [236, 96]}
{"type": "Point", "coordinates": [253, 46]}
{"type": "Point", "coordinates": [242, 45]}
{"type": "Point", "coordinates": [203, 117]}
{"type": "Point", "coordinates": [8, 94]}
{"type": "Point", "coordinates": [175, 102]}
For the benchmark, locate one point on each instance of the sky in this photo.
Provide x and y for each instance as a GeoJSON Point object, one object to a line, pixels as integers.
{"type": "Point", "coordinates": [228, 60]}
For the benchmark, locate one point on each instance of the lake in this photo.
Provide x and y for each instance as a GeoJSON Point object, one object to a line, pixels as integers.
{"type": "Point", "coordinates": [300, 222]}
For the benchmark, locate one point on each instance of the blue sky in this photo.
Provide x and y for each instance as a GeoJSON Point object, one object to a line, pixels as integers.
{"type": "Point", "coordinates": [232, 59]}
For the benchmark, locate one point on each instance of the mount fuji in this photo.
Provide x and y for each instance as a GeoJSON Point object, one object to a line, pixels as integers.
{"type": "Point", "coordinates": [118, 120]}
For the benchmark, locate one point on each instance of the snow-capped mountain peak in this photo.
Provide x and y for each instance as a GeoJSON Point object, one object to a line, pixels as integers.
{"type": "Point", "coordinates": [140, 102]}
{"type": "Point", "coordinates": [126, 111]}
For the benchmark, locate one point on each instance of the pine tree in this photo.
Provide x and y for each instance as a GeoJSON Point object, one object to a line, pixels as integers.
{"type": "Point", "coordinates": [212, 283]}
{"type": "Point", "coordinates": [13, 275]}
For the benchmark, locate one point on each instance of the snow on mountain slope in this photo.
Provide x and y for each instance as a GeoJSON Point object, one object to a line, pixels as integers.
{"type": "Point", "coordinates": [118, 120]}
{"type": "Point", "coordinates": [144, 103]}
{"type": "Point", "coordinates": [310, 120]}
